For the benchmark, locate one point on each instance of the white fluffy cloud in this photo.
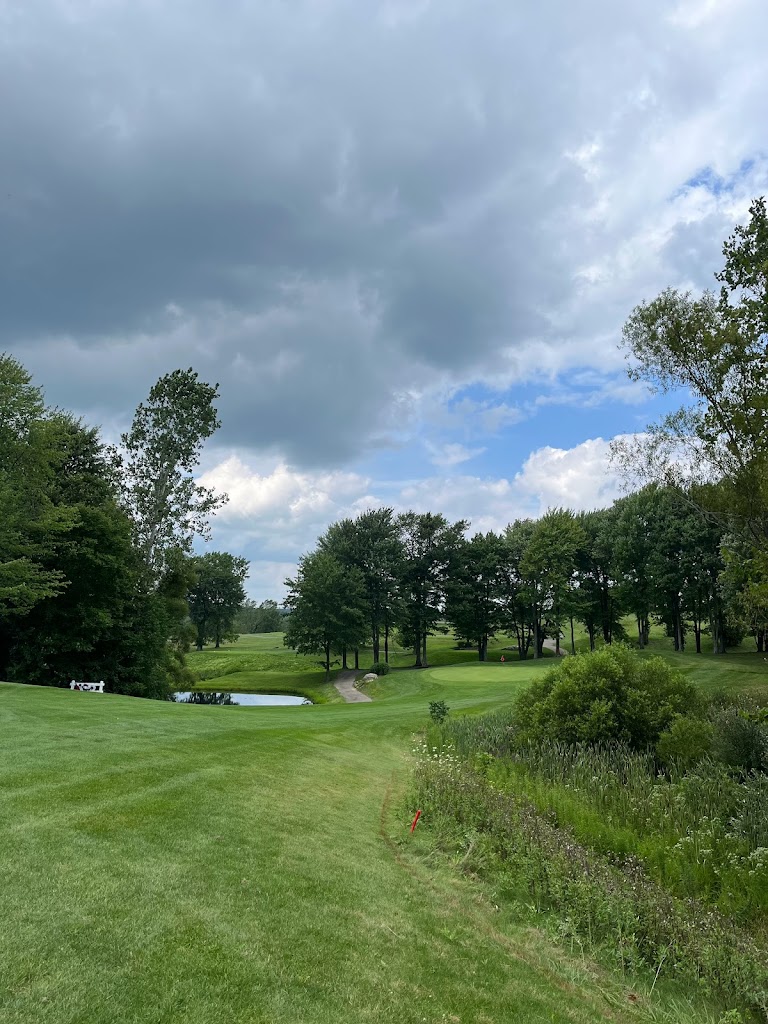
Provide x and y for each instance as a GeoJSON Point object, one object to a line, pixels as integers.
{"type": "Point", "coordinates": [579, 478]}
{"type": "Point", "coordinates": [277, 514]}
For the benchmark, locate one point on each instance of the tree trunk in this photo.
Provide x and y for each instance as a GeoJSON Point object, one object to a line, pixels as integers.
{"type": "Point", "coordinates": [482, 648]}
{"type": "Point", "coordinates": [640, 637]}
{"type": "Point", "coordinates": [357, 659]}
{"type": "Point", "coordinates": [344, 656]}
{"type": "Point", "coordinates": [716, 624]}
{"type": "Point", "coordinates": [417, 649]}
{"type": "Point", "coordinates": [591, 631]}
{"type": "Point", "coordinates": [375, 640]}
{"type": "Point", "coordinates": [760, 641]}
{"type": "Point", "coordinates": [697, 634]}
{"type": "Point", "coordinates": [679, 642]}
{"type": "Point", "coordinates": [424, 662]}
{"type": "Point", "coordinates": [573, 642]}
{"type": "Point", "coordinates": [536, 631]}
{"type": "Point", "coordinates": [386, 643]}
{"type": "Point", "coordinates": [327, 650]}
{"type": "Point", "coordinates": [5, 653]}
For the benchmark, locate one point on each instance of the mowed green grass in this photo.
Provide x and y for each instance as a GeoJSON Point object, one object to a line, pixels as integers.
{"type": "Point", "coordinates": [261, 663]}
{"type": "Point", "coordinates": [183, 863]}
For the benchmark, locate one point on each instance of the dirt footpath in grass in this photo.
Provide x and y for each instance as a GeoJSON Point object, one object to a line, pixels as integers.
{"type": "Point", "coordinates": [345, 684]}
{"type": "Point", "coordinates": [550, 645]}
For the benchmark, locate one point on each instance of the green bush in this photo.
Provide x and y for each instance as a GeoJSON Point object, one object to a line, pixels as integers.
{"type": "Point", "coordinates": [438, 711]}
{"type": "Point", "coordinates": [740, 742]}
{"type": "Point", "coordinates": [380, 668]}
{"type": "Point", "coordinates": [606, 696]}
{"type": "Point", "coordinates": [685, 743]}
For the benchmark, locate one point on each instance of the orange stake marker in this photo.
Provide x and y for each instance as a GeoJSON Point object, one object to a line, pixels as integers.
{"type": "Point", "coordinates": [415, 821]}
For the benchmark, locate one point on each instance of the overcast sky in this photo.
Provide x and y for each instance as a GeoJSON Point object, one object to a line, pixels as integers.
{"type": "Point", "coordinates": [403, 236]}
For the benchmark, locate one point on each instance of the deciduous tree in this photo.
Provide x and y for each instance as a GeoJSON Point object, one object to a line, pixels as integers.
{"type": "Point", "coordinates": [160, 452]}
{"type": "Point", "coordinates": [328, 607]}
{"type": "Point", "coordinates": [216, 594]}
{"type": "Point", "coordinates": [430, 544]}
{"type": "Point", "coordinates": [475, 590]}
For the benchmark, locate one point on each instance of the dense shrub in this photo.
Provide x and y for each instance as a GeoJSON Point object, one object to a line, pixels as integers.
{"type": "Point", "coordinates": [740, 742]}
{"type": "Point", "coordinates": [685, 743]}
{"type": "Point", "coordinates": [438, 711]}
{"type": "Point", "coordinates": [733, 634]}
{"type": "Point", "coordinates": [607, 696]}
{"type": "Point", "coordinates": [380, 668]}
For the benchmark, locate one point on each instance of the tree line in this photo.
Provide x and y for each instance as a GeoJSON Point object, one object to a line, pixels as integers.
{"type": "Point", "coordinates": [97, 578]}
{"type": "Point", "coordinates": [689, 549]}
{"type": "Point", "coordinates": [652, 556]}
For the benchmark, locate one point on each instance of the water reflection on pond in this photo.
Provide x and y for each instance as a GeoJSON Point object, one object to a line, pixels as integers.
{"type": "Point", "coordinates": [243, 699]}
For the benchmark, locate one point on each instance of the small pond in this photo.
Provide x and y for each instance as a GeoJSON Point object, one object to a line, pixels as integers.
{"type": "Point", "coordinates": [250, 700]}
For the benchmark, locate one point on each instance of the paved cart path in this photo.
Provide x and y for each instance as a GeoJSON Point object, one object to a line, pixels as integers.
{"type": "Point", "coordinates": [345, 684]}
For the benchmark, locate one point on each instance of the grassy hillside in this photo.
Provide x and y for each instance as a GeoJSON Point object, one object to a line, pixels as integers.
{"type": "Point", "coordinates": [182, 863]}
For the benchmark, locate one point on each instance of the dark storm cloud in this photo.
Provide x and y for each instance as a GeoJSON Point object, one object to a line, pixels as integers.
{"type": "Point", "coordinates": [327, 206]}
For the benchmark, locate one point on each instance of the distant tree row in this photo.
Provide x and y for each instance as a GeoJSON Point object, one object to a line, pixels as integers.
{"type": "Point", "coordinates": [266, 617]}
{"type": "Point", "coordinates": [651, 555]}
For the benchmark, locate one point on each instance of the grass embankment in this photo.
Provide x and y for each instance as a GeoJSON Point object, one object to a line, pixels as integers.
{"type": "Point", "coordinates": [261, 663]}
{"type": "Point", "coordinates": [182, 863]}
{"type": "Point", "coordinates": [663, 870]}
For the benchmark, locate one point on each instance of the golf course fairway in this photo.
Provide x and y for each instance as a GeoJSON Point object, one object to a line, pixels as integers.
{"type": "Point", "coordinates": [185, 863]}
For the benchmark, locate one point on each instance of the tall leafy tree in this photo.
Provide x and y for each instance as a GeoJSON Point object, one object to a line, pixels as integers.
{"type": "Point", "coordinates": [69, 633]}
{"type": "Point", "coordinates": [711, 347]}
{"type": "Point", "coordinates": [475, 591]}
{"type": "Point", "coordinates": [549, 565]}
{"type": "Point", "coordinates": [597, 599]}
{"type": "Point", "coordinates": [518, 591]}
{"type": "Point", "coordinates": [743, 584]}
{"type": "Point", "coordinates": [371, 543]}
{"type": "Point", "coordinates": [632, 547]}
{"type": "Point", "coordinates": [98, 621]}
{"type": "Point", "coordinates": [430, 546]}
{"type": "Point", "coordinates": [328, 608]}
{"type": "Point", "coordinates": [216, 595]}
{"type": "Point", "coordinates": [160, 452]}
{"type": "Point", "coordinates": [31, 523]}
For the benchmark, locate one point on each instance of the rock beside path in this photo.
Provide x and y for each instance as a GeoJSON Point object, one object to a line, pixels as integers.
{"type": "Point", "coordinates": [345, 684]}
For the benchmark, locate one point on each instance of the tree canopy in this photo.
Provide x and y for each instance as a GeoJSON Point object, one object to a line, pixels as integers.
{"type": "Point", "coordinates": [78, 596]}
{"type": "Point", "coordinates": [161, 450]}
{"type": "Point", "coordinates": [216, 595]}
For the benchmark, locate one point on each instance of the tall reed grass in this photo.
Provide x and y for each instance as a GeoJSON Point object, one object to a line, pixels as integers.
{"type": "Point", "coordinates": [665, 870]}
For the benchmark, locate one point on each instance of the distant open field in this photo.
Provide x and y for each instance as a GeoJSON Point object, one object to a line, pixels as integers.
{"type": "Point", "coordinates": [179, 863]}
